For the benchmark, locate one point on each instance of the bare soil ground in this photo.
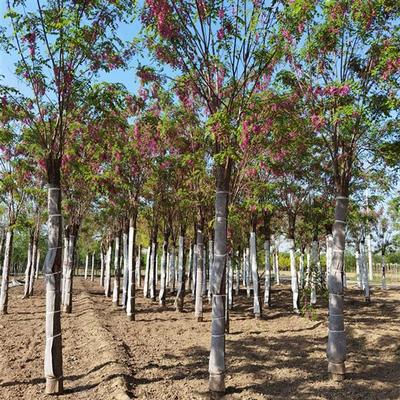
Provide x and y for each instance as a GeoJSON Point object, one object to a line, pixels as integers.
{"type": "Point", "coordinates": [164, 354]}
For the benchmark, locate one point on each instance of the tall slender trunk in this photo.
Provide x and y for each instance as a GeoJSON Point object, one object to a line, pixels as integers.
{"type": "Point", "coordinates": [217, 351]}
{"type": "Point", "coordinates": [254, 270]}
{"type": "Point", "coordinates": [147, 272]}
{"type": "Point", "coordinates": [107, 283]}
{"type": "Point", "coordinates": [210, 264]}
{"type": "Point", "coordinates": [86, 265]}
{"type": "Point", "coordinates": [267, 258]}
{"type": "Point", "coordinates": [29, 266]}
{"type": "Point", "coordinates": [301, 267]}
{"type": "Point", "coordinates": [125, 252]}
{"type": "Point", "coordinates": [6, 270]}
{"type": "Point", "coordinates": [313, 271]}
{"type": "Point", "coordinates": [329, 253]}
{"type": "Point", "coordinates": [130, 301]}
{"type": "Point", "coordinates": [101, 279]}
{"type": "Point", "coordinates": [37, 263]}
{"type": "Point", "coordinates": [153, 264]}
{"type": "Point", "coordinates": [117, 271]}
{"type": "Point", "coordinates": [172, 269]}
{"type": "Point", "coordinates": [276, 257]}
{"type": "Point", "coordinates": [383, 268]}
{"type": "Point", "coordinates": [53, 364]}
{"type": "Point", "coordinates": [237, 269]}
{"type": "Point", "coordinates": [370, 265]}
{"type": "Point", "coordinates": [33, 267]}
{"type": "Point", "coordinates": [293, 274]}
{"type": "Point", "coordinates": [364, 270]}
{"type": "Point", "coordinates": [358, 272]}
{"type": "Point", "coordinates": [181, 271]}
{"type": "Point", "coordinates": [248, 272]}
{"type": "Point", "coordinates": [92, 270]}
{"type": "Point", "coordinates": [163, 279]}
{"type": "Point", "coordinates": [138, 266]}
{"type": "Point", "coordinates": [229, 266]}
{"type": "Point", "coordinates": [336, 348]}
{"type": "Point", "coordinates": [198, 307]}
{"type": "Point", "coordinates": [69, 267]}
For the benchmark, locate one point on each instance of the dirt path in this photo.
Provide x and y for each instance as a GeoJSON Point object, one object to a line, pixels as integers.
{"type": "Point", "coordinates": [164, 354]}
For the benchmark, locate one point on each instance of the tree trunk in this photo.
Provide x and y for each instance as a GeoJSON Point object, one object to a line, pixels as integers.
{"type": "Point", "coordinates": [329, 253]}
{"type": "Point", "coordinates": [33, 267]}
{"type": "Point", "coordinates": [364, 270]}
{"type": "Point", "coordinates": [6, 270]}
{"type": "Point", "coordinates": [69, 267]}
{"type": "Point", "coordinates": [53, 364]}
{"type": "Point", "coordinates": [92, 270]}
{"type": "Point", "coordinates": [254, 270]}
{"type": "Point", "coordinates": [138, 267]}
{"type": "Point", "coordinates": [301, 268]}
{"type": "Point", "coordinates": [248, 272]}
{"type": "Point", "coordinates": [358, 272]}
{"type": "Point", "coordinates": [117, 272]}
{"type": "Point", "coordinates": [369, 247]}
{"type": "Point", "coordinates": [383, 268]}
{"type": "Point", "coordinates": [217, 351]}
{"type": "Point", "coordinates": [198, 307]}
{"type": "Point", "coordinates": [101, 279]}
{"type": "Point", "coordinates": [147, 272]}
{"type": "Point", "coordinates": [336, 348]}
{"type": "Point", "coordinates": [172, 269]}
{"type": "Point", "coordinates": [130, 301]}
{"type": "Point", "coordinates": [229, 266]}
{"type": "Point", "coordinates": [153, 271]}
{"type": "Point", "coordinates": [29, 264]}
{"type": "Point", "coordinates": [86, 265]}
{"type": "Point", "coordinates": [313, 272]}
{"type": "Point", "coordinates": [237, 263]}
{"type": "Point", "coordinates": [37, 263]}
{"type": "Point", "coordinates": [293, 274]}
{"type": "Point", "coordinates": [163, 279]}
{"type": "Point", "coordinates": [267, 289]}
{"type": "Point", "coordinates": [107, 286]}
{"type": "Point", "coordinates": [181, 272]}
{"type": "Point", "coordinates": [276, 257]}
{"type": "Point", "coordinates": [125, 278]}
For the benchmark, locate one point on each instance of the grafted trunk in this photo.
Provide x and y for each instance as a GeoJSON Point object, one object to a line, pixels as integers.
{"type": "Point", "coordinates": [163, 279]}
{"type": "Point", "coordinates": [53, 364]}
{"type": "Point", "coordinates": [93, 264]}
{"type": "Point", "coordinates": [29, 266]}
{"type": "Point", "coordinates": [6, 270]}
{"type": "Point", "coordinates": [198, 307]}
{"type": "Point", "coordinates": [130, 301]}
{"type": "Point", "coordinates": [336, 348]}
{"type": "Point", "coordinates": [117, 271]}
{"type": "Point", "coordinates": [181, 271]}
{"type": "Point", "coordinates": [254, 270]}
{"type": "Point", "coordinates": [217, 351]}
{"type": "Point", "coordinates": [107, 283]}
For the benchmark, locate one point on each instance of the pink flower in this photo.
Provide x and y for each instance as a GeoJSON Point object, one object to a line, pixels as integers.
{"type": "Point", "coordinates": [220, 33]}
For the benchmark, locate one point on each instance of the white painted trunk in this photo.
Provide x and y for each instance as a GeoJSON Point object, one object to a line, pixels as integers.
{"type": "Point", "coordinates": [254, 271]}
{"type": "Point", "coordinates": [329, 248]}
{"type": "Point", "coordinates": [107, 286]}
{"type": "Point", "coordinates": [69, 256]}
{"type": "Point", "coordinates": [130, 294]}
{"type": "Point", "coordinates": [28, 269]}
{"type": "Point", "coordinates": [172, 270]}
{"type": "Point", "coordinates": [237, 263]}
{"type": "Point", "coordinates": [117, 272]}
{"type": "Point", "coordinates": [210, 265]}
{"type": "Point", "coordinates": [358, 272]}
{"type": "Point", "coordinates": [125, 278]}
{"type": "Point", "coordinates": [181, 274]}
{"type": "Point", "coordinates": [138, 267]}
{"type": "Point", "coordinates": [383, 269]}
{"type": "Point", "coordinates": [370, 266]}
{"type": "Point", "coordinates": [101, 279]}
{"type": "Point", "coordinates": [147, 273]}
{"type": "Point", "coordinates": [293, 274]}
{"type": "Point", "coordinates": [248, 272]}
{"type": "Point", "coordinates": [92, 270]}
{"type": "Point", "coordinates": [364, 271]}
{"type": "Point", "coordinates": [277, 274]}
{"type": "Point", "coordinates": [37, 263]}
{"type": "Point", "coordinates": [313, 272]}
{"type": "Point", "coordinates": [86, 266]}
{"type": "Point", "coordinates": [308, 267]}
{"type": "Point", "coordinates": [301, 269]}
{"type": "Point", "coordinates": [267, 262]}
{"type": "Point", "coordinates": [198, 307]}
{"type": "Point", "coordinates": [229, 267]}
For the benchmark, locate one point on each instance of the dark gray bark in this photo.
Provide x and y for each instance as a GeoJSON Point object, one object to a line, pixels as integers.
{"type": "Point", "coordinates": [336, 348]}
{"type": "Point", "coordinates": [53, 364]}
{"type": "Point", "coordinates": [217, 284]}
{"type": "Point", "coordinates": [6, 270]}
